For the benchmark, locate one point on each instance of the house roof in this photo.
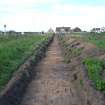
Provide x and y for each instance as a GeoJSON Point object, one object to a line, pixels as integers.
{"type": "Point", "coordinates": [65, 28]}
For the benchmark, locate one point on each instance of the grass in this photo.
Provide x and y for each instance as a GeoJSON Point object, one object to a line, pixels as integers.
{"type": "Point", "coordinates": [95, 68]}
{"type": "Point", "coordinates": [14, 51]}
{"type": "Point", "coordinates": [96, 38]}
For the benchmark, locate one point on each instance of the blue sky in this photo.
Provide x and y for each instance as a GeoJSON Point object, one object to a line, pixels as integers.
{"type": "Point", "coordinates": [38, 15]}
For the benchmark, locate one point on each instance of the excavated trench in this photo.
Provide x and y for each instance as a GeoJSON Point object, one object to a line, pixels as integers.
{"type": "Point", "coordinates": [56, 83]}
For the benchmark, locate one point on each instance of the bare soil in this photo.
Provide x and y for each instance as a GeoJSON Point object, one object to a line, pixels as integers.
{"type": "Point", "coordinates": [57, 83]}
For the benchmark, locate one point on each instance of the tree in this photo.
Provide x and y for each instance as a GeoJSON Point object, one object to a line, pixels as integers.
{"type": "Point", "coordinates": [5, 29]}
{"type": "Point", "coordinates": [77, 29]}
{"type": "Point", "coordinates": [42, 32]}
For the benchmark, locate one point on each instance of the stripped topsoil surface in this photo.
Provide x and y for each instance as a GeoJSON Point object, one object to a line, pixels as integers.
{"type": "Point", "coordinates": [57, 83]}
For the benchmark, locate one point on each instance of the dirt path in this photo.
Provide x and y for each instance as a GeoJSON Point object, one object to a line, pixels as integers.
{"type": "Point", "coordinates": [51, 85]}
{"type": "Point", "coordinates": [54, 83]}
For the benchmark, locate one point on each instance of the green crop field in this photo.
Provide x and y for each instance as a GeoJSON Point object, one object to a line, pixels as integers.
{"type": "Point", "coordinates": [96, 38]}
{"type": "Point", "coordinates": [14, 51]}
{"type": "Point", "coordinates": [95, 66]}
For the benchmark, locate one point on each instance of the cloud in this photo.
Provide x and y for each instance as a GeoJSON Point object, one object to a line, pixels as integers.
{"type": "Point", "coordinates": [38, 15]}
{"type": "Point", "coordinates": [78, 10]}
{"type": "Point", "coordinates": [79, 15]}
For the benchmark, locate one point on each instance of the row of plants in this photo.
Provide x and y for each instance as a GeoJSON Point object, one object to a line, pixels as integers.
{"type": "Point", "coordinates": [15, 51]}
{"type": "Point", "coordinates": [68, 50]}
{"type": "Point", "coordinates": [95, 68]}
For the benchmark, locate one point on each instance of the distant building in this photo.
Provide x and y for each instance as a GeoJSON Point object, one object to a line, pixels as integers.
{"type": "Point", "coordinates": [103, 29]}
{"type": "Point", "coordinates": [63, 30]}
{"type": "Point", "coordinates": [98, 30]}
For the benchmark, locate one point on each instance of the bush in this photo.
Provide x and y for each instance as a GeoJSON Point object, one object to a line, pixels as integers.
{"type": "Point", "coordinates": [94, 70]}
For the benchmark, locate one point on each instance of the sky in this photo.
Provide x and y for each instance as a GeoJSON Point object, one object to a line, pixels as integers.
{"type": "Point", "coordinates": [40, 15]}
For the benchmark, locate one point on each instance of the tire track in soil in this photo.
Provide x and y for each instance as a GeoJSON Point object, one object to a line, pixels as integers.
{"type": "Point", "coordinates": [51, 84]}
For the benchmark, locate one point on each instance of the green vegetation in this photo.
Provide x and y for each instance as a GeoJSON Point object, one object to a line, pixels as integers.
{"type": "Point", "coordinates": [88, 34]}
{"type": "Point", "coordinates": [99, 42]}
{"type": "Point", "coordinates": [15, 50]}
{"type": "Point", "coordinates": [95, 68]}
{"type": "Point", "coordinates": [96, 38]}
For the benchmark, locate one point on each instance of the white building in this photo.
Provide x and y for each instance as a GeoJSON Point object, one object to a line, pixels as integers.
{"type": "Point", "coordinates": [98, 30]}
